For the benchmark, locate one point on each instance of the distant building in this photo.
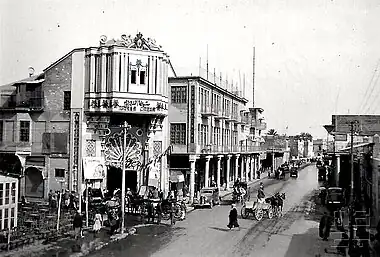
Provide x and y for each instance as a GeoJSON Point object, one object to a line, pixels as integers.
{"type": "Point", "coordinates": [319, 146]}
{"type": "Point", "coordinates": [301, 147]}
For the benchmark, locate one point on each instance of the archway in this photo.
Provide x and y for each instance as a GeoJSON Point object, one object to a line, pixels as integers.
{"type": "Point", "coordinates": [34, 183]}
{"type": "Point", "coordinates": [114, 177]}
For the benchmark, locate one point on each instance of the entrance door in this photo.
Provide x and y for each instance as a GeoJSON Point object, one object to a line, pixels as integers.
{"type": "Point", "coordinates": [34, 183]}
{"type": "Point", "coordinates": [114, 178]}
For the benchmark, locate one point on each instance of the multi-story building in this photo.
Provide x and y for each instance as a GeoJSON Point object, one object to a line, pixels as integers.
{"type": "Point", "coordinates": [215, 139]}
{"type": "Point", "coordinates": [319, 146]}
{"type": "Point", "coordinates": [62, 128]}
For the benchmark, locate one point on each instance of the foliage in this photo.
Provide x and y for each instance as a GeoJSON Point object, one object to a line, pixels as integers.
{"type": "Point", "coordinates": [272, 132]}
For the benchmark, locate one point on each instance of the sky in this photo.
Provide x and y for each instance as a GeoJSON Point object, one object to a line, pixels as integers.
{"type": "Point", "coordinates": [314, 58]}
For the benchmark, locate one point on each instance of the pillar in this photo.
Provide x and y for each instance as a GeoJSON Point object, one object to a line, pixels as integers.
{"type": "Point", "coordinates": [115, 71]}
{"type": "Point", "coordinates": [207, 169]}
{"type": "Point", "coordinates": [253, 170]}
{"type": "Point", "coordinates": [122, 73]}
{"type": "Point", "coordinates": [218, 171]}
{"type": "Point", "coordinates": [236, 166]}
{"type": "Point", "coordinates": [258, 166]}
{"type": "Point", "coordinates": [92, 74]}
{"type": "Point", "coordinates": [192, 159]}
{"type": "Point", "coordinates": [337, 170]}
{"type": "Point", "coordinates": [242, 168]}
{"type": "Point", "coordinates": [247, 161]}
{"type": "Point", "coordinates": [273, 162]}
{"type": "Point", "coordinates": [104, 73]}
{"type": "Point", "coordinates": [228, 157]}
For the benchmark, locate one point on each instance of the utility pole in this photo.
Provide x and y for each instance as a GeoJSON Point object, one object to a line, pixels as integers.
{"type": "Point", "coordinates": [125, 127]}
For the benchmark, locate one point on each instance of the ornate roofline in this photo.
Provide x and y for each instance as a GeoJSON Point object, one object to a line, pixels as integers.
{"type": "Point", "coordinates": [138, 42]}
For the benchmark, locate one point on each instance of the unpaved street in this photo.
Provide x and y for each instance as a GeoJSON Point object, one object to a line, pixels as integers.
{"type": "Point", "coordinates": [205, 232]}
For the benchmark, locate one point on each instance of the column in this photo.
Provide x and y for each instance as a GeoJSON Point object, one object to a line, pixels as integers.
{"type": "Point", "coordinates": [258, 166]}
{"type": "Point", "coordinates": [192, 159]}
{"type": "Point", "coordinates": [104, 73]}
{"type": "Point", "coordinates": [247, 161]}
{"type": "Point", "coordinates": [207, 169]}
{"type": "Point", "coordinates": [228, 158]}
{"type": "Point", "coordinates": [218, 171]}
{"type": "Point", "coordinates": [337, 170]}
{"type": "Point", "coordinates": [92, 73]}
{"type": "Point", "coordinates": [236, 166]}
{"type": "Point", "coordinates": [122, 74]}
{"type": "Point", "coordinates": [253, 172]}
{"type": "Point", "coordinates": [115, 71]}
{"type": "Point", "coordinates": [242, 168]}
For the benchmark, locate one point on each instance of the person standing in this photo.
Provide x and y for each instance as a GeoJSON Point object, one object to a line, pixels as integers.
{"type": "Point", "coordinates": [233, 222]}
{"type": "Point", "coordinates": [325, 226]}
{"type": "Point", "coordinates": [78, 225]}
{"type": "Point", "coordinates": [97, 223]}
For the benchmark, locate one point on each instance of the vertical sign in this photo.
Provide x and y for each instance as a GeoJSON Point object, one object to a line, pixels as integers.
{"type": "Point", "coordinates": [192, 114]}
{"type": "Point", "coordinates": [76, 151]}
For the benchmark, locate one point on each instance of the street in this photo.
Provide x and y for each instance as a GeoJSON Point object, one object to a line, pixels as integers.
{"type": "Point", "coordinates": [205, 232]}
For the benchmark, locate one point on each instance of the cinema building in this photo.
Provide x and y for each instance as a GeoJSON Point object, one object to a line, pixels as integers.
{"type": "Point", "coordinates": [64, 127]}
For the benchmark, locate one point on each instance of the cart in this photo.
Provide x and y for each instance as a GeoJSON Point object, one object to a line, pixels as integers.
{"type": "Point", "coordinates": [257, 210]}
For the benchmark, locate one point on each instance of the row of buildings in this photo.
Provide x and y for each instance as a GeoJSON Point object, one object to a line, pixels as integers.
{"type": "Point", "coordinates": [64, 128]}
{"type": "Point", "coordinates": [357, 135]}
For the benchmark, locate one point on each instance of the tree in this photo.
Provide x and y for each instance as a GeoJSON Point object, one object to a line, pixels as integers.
{"type": "Point", "coordinates": [305, 135]}
{"type": "Point", "coordinates": [272, 132]}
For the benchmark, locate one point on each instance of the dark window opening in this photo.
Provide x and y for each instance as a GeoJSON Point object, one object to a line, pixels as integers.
{"type": "Point", "coordinates": [178, 134]}
{"type": "Point", "coordinates": [24, 131]}
{"type": "Point", "coordinates": [1, 130]}
{"type": "Point", "coordinates": [142, 77]}
{"type": "Point", "coordinates": [66, 100]}
{"type": "Point", "coordinates": [133, 77]}
{"type": "Point", "coordinates": [60, 173]}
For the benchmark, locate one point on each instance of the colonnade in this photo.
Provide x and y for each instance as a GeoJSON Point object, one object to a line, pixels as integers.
{"type": "Point", "coordinates": [244, 167]}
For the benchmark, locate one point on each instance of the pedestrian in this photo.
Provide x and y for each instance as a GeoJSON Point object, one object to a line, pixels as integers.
{"type": "Point", "coordinates": [325, 226]}
{"type": "Point", "coordinates": [97, 223]}
{"type": "Point", "coordinates": [233, 222]}
{"type": "Point", "coordinates": [78, 225]}
{"type": "Point", "coordinates": [50, 197]}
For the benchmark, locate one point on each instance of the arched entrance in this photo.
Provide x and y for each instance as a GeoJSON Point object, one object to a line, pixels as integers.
{"type": "Point", "coordinates": [114, 177]}
{"type": "Point", "coordinates": [34, 183]}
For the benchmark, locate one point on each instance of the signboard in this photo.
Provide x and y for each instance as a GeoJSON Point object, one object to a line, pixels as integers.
{"type": "Point", "coordinates": [176, 176]}
{"type": "Point", "coordinates": [94, 167]}
{"type": "Point", "coordinates": [340, 137]}
{"type": "Point", "coordinates": [154, 174]}
{"type": "Point", "coordinates": [118, 104]}
{"type": "Point", "coordinates": [366, 124]}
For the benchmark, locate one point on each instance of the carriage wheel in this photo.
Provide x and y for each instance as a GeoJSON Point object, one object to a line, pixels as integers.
{"type": "Point", "coordinates": [244, 213]}
{"type": "Point", "coordinates": [270, 213]}
{"type": "Point", "coordinates": [259, 213]}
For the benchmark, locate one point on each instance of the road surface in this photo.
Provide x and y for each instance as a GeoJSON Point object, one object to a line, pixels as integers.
{"type": "Point", "coordinates": [205, 232]}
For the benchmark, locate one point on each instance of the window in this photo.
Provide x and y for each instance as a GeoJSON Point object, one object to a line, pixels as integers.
{"type": "Point", "coordinates": [60, 173]}
{"type": "Point", "coordinates": [6, 216]}
{"type": "Point", "coordinates": [133, 77]}
{"type": "Point", "coordinates": [54, 143]}
{"type": "Point", "coordinates": [24, 131]}
{"type": "Point", "coordinates": [13, 193]}
{"type": "Point", "coordinates": [1, 130]}
{"type": "Point", "coordinates": [66, 100]}
{"type": "Point", "coordinates": [12, 217]}
{"type": "Point", "coordinates": [142, 77]}
{"type": "Point", "coordinates": [1, 218]}
{"type": "Point", "coordinates": [1, 193]}
{"type": "Point", "coordinates": [178, 94]}
{"type": "Point", "coordinates": [7, 189]}
{"type": "Point", "coordinates": [178, 133]}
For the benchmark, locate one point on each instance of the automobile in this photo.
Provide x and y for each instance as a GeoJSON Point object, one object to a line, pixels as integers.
{"type": "Point", "coordinates": [335, 197]}
{"type": "Point", "coordinates": [209, 196]}
{"type": "Point", "coordinates": [294, 172]}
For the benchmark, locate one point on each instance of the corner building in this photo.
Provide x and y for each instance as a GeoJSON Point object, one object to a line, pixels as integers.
{"type": "Point", "coordinates": [215, 137]}
{"type": "Point", "coordinates": [73, 119]}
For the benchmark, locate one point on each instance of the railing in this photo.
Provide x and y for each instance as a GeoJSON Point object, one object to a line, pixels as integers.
{"type": "Point", "coordinates": [31, 100]}
{"type": "Point", "coordinates": [215, 149]}
{"type": "Point", "coordinates": [260, 125]}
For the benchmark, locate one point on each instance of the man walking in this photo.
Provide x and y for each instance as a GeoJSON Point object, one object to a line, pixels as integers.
{"type": "Point", "coordinates": [233, 222]}
{"type": "Point", "coordinates": [77, 225]}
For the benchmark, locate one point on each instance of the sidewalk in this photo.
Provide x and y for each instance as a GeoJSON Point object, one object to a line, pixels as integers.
{"type": "Point", "coordinates": [65, 246]}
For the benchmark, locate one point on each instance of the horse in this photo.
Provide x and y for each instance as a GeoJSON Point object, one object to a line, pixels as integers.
{"type": "Point", "coordinates": [277, 202]}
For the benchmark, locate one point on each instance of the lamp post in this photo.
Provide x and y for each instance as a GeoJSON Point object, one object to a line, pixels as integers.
{"type": "Point", "coordinates": [59, 203]}
{"type": "Point", "coordinates": [125, 128]}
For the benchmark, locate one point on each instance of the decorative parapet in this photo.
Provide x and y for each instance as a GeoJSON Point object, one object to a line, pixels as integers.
{"type": "Point", "coordinates": [138, 42]}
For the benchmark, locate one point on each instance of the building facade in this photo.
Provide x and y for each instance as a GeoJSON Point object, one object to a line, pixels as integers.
{"type": "Point", "coordinates": [64, 126]}
{"type": "Point", "coordinates": [215, 137]}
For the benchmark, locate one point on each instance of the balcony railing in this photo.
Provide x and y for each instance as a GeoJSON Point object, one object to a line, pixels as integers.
{"type": "Point", "coordinates": [260, 125]}
{"type": "Point", "coordinates": [30, 100]}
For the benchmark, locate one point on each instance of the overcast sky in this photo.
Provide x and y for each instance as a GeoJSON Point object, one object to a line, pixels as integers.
{"type": "Point", "coordinates": [314, 58]}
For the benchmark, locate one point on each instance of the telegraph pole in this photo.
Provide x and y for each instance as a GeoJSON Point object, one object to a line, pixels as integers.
{"type": "Point", "coordinates": [352, 124]}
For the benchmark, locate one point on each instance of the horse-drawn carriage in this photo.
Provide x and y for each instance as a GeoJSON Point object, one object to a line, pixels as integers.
{"type": "Point", "coordinates": [271, 207]}
{"type": "Point", "coordinates": [241, 192]}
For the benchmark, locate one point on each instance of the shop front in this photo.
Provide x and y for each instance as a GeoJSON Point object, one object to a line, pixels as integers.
{"type": "Point", "coordinates": [179, 181]}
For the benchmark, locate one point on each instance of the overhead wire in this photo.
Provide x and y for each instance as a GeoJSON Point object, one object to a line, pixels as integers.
{"type": "Point", "coordinates": [374, 98]}
{"type": "Point", "coordinates": [365, 97]}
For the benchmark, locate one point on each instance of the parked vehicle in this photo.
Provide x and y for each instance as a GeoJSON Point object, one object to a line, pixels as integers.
{"type": "Point", "coordinates": [335, 197]}
{"type": "Point", "coordinates": [209, 196]}
{"type": "Point", "coordinates": [294, 172]}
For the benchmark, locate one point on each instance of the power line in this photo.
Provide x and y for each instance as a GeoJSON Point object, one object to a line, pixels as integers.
{"type": "Point", "coordinates": [361, 107]}
{"type": "Point", "coordinates": [372, 102]}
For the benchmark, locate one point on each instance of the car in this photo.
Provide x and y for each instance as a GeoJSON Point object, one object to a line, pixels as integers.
{"type": "Point", "coordinates": [209, 196]}
{"type": "Point", "coordinates": [294, 172]}
{"type": "Point", "coordinates": [335, 197]}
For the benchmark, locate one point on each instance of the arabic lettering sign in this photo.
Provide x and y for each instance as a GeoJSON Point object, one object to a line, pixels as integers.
{"type": "Point", "coordinates": [125, 105]}
{"type": "Point", "coordinates": [94, 167]}
{"type": "Point", "coordinates": [367, 124]}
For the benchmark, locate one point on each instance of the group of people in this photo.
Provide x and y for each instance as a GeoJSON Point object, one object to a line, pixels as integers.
{"type": "Point", "coordinates": [69, 199]}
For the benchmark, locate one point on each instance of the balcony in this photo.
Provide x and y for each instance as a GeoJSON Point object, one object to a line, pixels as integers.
{"type": "Point", "coordinates": [28, 101]}
{"type": "Point", "coordinates": [207, 111]}
{"type": "Point", "coordinates": [244, 120]}
{"type": "Point", "coordinates": [259, 125]}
